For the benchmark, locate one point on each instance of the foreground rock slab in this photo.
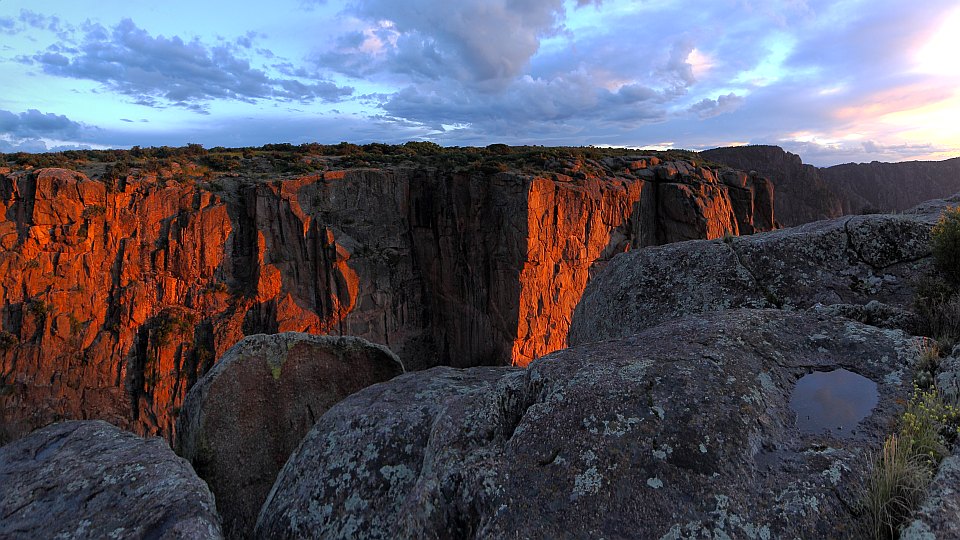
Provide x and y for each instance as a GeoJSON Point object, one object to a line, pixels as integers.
{"type": "Point", "coordinates": [684, 430]}
{"type": "Point", "coordinates": [241, 422]}
{"type": "Point", "coordinates": [89, 479]}
{"type": "Point", "coordinates": [846, 262]}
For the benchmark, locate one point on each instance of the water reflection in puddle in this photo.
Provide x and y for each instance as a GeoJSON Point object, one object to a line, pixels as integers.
{"type": "Point", "coordinates": [832, 401]}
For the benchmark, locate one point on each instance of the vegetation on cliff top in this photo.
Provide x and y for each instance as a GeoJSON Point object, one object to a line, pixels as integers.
{"type": "Point", "coordinates": [113, 166]}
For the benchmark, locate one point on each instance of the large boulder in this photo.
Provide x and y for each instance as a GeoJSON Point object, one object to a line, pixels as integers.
{"type": "Point", "coordinates": [89, 479]}
{"type": "Point", "coordinates": [848, 262]}
{"type": "Point", "coordinates": [683, 430]}
{"type": "Point", "coordinates": [242, 420]}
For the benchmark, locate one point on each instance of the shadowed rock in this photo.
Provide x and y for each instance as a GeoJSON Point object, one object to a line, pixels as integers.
{"type": "Point", "coordinates": [89, 479]}
{"type": "Point", "coordinates": [684, 430]}
{"type": "Point", "coordinates": [244, 418]}
{"type": "Point", "coordinates": [870, 261]}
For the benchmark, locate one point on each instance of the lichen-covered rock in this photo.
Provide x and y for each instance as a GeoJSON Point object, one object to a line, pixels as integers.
{"type": "Point", "coordinates": [684, 430]}
{"type": "Point", "coordinates": [938, 515]}
{"type": "Point", "coordinates": [242, 420]}
{"type": "Point", "coordinates": [89, 479]}
{"type": "Point", "coordinates": [859, 261]}
{"type": "Point", "coordinates": [948, 377]}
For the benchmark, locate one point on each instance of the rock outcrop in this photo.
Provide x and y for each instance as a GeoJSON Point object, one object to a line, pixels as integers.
{"type": "Point", "coordinates": [116, 297]}
{"type": "Point", "coordinates": [91, 480]}
{"type": "Point", "coordinates": [806, 193]}
{"type": "Point", "coordinates": [864, 265]}
{"type": "Point", "coordinates": [937, 517]}
{"type": "Point", "coordinates": [244, 418]}
{"type": "Point", "coordinates": [683, 430]}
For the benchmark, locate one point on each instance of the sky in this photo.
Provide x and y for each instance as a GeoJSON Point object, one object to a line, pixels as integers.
{"type": "Point", "coordinates": [833, 81]}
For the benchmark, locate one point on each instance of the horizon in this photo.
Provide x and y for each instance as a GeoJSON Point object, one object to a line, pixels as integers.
{"type": "Point", "coordinates": [833, 82]}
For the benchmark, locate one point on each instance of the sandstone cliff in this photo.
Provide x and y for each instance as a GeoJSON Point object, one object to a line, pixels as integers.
{"type": "Point", "coordinates": [117, 296]}
{"type": "Point", "coordinates": [807, 193]}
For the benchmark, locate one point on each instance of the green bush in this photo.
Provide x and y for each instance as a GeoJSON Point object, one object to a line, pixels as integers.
{"type": "Point", "coordinates": [945, 244]}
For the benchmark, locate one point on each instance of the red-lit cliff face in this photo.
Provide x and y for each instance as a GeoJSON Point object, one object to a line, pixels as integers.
{"type": "Point", "coordinates": [114, 301]}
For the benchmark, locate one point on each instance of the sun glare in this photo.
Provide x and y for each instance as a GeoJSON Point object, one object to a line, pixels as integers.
{"type": "Point", "coordinates": [939, 54]}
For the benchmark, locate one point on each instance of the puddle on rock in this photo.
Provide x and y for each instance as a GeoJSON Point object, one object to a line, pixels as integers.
{"type": "Point", "coordinates": [834, 401]}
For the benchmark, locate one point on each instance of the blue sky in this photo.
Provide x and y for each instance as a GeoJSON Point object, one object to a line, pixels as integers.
{"type": "Point", "coordinates": [834, 81]}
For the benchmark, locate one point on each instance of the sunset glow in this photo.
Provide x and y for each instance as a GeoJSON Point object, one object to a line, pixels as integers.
{"type": "Point", "coordinates": [611, 73]}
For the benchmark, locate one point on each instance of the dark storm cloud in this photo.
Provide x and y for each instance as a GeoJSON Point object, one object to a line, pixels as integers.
{"type": "Point", "coordinates": [159, 71]}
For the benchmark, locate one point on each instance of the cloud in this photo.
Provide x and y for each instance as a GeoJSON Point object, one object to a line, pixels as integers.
{"type": "Point", "coordinates": [34, 123]}
{"type": "Point", "coordinates": [159, 71]}
{"type": "Point", "coordinates": [486, 43]}
{"type": "Point", "coordinates": [708, 108]}
{"type": "Point", "coordinates": [30, 131]}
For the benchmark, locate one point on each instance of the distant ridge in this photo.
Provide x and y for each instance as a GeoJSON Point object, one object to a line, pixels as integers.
{"type": "Point", "coordinates": [806, 193]}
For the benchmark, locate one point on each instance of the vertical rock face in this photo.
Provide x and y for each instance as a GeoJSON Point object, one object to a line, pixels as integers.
{"type": "Point", "coordinates": [116, 300]}
{"type": "Point", "coordinates": [802, 194]}
{"type": "Point", "coordinates": [244, 418]}
{"type": "Point", "coordinates": [92, 480]}
{"type": "Point", "coordinates": [806, 193]}
{"type": "Point", "coordinates": [892, 187]}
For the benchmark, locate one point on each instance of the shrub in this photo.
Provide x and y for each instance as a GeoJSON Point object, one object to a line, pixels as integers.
{"type": "Point", "coordinates": [93, 211]}
{"type": "Point", "coordinates": [930, 425]}
{"type": "Point", "coordinates": [945, 244]}
{"type": "Point", "coordinates": [937, 305]}
{"type": "Point", "coordinates": [7, 340]}
{"type": "Point", "coordinates": [38, 309]}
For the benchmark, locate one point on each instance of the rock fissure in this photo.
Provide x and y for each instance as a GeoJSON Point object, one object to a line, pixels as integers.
{"type": "Point", "coordinates": [851, 245]}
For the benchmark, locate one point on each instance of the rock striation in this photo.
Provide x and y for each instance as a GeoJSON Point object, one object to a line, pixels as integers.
{"type": "Point", "coordinates": [861, 266]}
{"type": "Point", "coordinates": [244, 418]}
{"type": "Point", "coordinates": [91, 480]}
{"type": "Point", "coordinates": [807, 193]}
{"type": "Point", "coordinates": [116, 297]}
{"type": "Point", "coordinates": [682, 430]}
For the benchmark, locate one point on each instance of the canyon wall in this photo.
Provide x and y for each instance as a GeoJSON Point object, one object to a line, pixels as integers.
{"type": "Point", "coordinates": [117, 297]}
{"type": "Point", "coordinates": [807, 193]}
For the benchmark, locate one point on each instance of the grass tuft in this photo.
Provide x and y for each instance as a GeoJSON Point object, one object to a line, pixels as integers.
{"type": "Point", "coordinates": [896, 486]}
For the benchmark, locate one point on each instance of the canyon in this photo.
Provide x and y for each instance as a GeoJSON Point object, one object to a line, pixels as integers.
{"type": "Point", "coordinates": [121, 286]}
{"type": "Point", "coordinates": [807, 193]}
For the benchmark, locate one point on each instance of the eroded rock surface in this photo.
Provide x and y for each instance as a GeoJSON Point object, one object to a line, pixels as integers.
{"type": "Point", "coordinates": [866, 265]}
{"type": "Point", "coordinates": [244, 418]}
{"type": "Point", "coordinates": [88, 479]}
{"type": "Point", "coordinates": [115, 298]}
{"type": "Point", "coordinates": [683, 430]}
